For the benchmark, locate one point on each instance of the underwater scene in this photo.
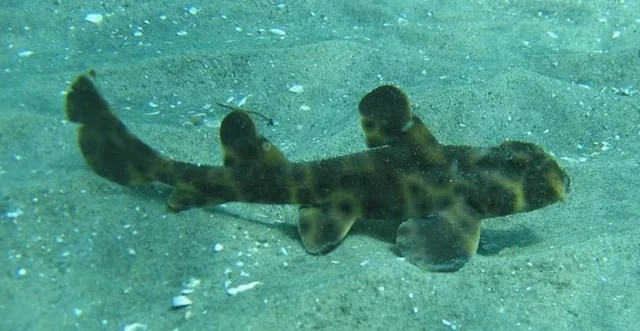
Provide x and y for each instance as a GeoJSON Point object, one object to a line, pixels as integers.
{"type": "Point", "coordinates": [320, 165]}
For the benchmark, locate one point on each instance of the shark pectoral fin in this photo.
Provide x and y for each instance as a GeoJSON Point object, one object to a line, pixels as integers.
{"type": "Point", "coordinates": [244, 146]}
{"type": "Point", "coordinates": [441, 242]}
{"type": "Point", "coordinates": [322, 231]}
{"type": "Point", "coordinates": [106, 144]}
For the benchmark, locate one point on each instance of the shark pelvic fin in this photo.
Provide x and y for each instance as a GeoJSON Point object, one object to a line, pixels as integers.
{"type": "Point", "coordinates": [322, 229]}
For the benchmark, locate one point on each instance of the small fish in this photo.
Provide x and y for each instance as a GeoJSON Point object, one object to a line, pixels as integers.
{"type": "Point", "coordinates": [438, 193]}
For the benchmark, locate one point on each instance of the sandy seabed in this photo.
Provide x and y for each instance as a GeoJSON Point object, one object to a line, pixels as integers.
{"type": "Point", "coordinates": [82, 253]}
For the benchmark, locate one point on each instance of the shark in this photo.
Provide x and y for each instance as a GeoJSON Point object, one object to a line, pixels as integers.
{"type": "Point", "coordinates": [439, 194]}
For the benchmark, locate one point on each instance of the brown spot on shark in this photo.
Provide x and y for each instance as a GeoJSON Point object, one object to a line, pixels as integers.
{"type": "Point", "coordinates": [439, 192]}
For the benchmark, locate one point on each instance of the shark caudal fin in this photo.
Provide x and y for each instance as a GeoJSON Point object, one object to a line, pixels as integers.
{"type": "Point", "coordinates": [106, 143]}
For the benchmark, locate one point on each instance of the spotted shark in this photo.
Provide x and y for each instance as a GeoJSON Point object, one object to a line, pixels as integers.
{"type": "Point", "coordinates": [438, 193]}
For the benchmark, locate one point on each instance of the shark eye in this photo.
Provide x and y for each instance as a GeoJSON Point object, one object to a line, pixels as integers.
{"type": "Point", "coordinates": [368, 125]}
{"type": "Point", "coordinates": [345, 207]}
{"type": "Point", "coordinates": [415, 189]}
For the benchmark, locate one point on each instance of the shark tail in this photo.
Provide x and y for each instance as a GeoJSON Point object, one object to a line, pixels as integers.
{"type": "Point", "coordinates": [254, 170]}
{"type": "Point", "coordinates": [106, 144]}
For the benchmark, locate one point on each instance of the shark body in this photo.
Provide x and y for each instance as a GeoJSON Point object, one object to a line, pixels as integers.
{"type": "Point", "coordinates": [439, 192]}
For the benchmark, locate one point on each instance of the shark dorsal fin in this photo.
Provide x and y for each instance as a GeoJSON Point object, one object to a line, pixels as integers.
{"type": "Point", "coordinates": [385, 116]}
{"type": "Point", "coordinates": [244, 146]}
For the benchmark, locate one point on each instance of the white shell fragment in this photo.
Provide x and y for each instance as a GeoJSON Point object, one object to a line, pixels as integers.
{"type": "Point", "coordinates": [193, 282]}
{"type": "Point", "coordinates": [241, 288]}
{"type": "Point", "coordinates": [180, 301]}
{"type": "Point", "coordinates": [218, 247]}
{"type": "Point", "coordinates": [193, 10]}
{"type": "Point", "coordinates": [242, 101]}
{"type": "Point", "coordinates": [14, 214]}
{"type": "Point", "coordinates": [21, 272]}
{"type": "Point", "coordinates": [197, 119]}
{"type": "Point", "coordinates": [277, 32]}
{"type": "Point", "coordinates": [94, 18]}
{"type": "Point", "coordinates": [25, 53]}
{"type": "Point", "coordinates": [296, 88]}
{"type": "Point", "coordinates": [135, 327]}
